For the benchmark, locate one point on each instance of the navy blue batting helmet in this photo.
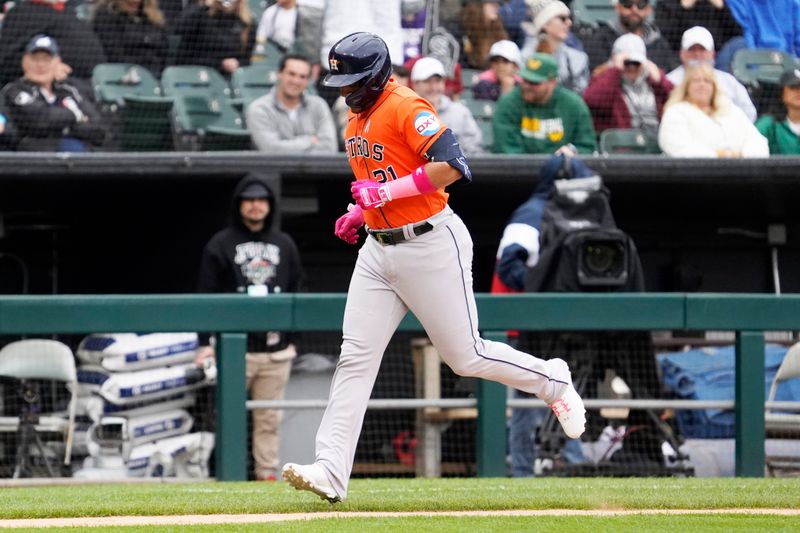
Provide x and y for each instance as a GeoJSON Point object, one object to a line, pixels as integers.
{"type": "Point", "coordinates": [362, 59]}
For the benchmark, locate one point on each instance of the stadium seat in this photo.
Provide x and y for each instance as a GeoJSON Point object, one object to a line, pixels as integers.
{"type": "Point", "coordinates": [207, 124]}
{"type": "Point", "coordinates": [480, 109]}
{"type": "Point", "coordinates": [593, 11]}
{"type": "Point", "coordinates": [267, 55]}
{"type": "Point", "coordinates": [193, 80]}
{"type": "Point", "coordinates": [621, 141]}
{"type": "Point", "coordinates": [132, 98]}
{"type": "Point", "coordinates": [251, 82]}
{"type": "Point", "coordinates": [257, 8]}
{"type": "Point", "coordinates": [756, 66]}
{"type": "Point", "coordinates": [469, 77]}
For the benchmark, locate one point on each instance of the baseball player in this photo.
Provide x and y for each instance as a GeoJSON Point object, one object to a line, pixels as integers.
{"type": "Point", "coordinates": [417, 256]}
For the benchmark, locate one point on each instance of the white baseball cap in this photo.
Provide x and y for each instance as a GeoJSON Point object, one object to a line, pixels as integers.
{"type": "Point", "coordinates": [507, 50]}
{"type": "Point", "coordinates": [632, 45]}
{"type": "Point", "coordinates": [426, 67]}
{"type": "Point", "coordinates": [697, 35]}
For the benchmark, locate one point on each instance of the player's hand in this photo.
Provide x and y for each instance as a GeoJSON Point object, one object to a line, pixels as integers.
{"type": "Point", "coordinates": [346, 227]}
{"type": "Point", "coordinates": [203, 353]}
{"type": "Point", "coordinates": [369, 194]}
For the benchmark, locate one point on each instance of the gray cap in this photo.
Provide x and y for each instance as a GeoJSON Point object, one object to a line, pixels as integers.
{"type": "Point", "coordinates": [254, 190]}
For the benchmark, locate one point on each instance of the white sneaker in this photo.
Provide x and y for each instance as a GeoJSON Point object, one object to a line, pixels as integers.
{"type": "Point", "coordinates": [570, 412]}
{"type": "Point", "coordinates": [312, 478]}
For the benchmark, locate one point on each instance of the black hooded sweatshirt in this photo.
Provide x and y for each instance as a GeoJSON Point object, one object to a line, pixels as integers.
{"type": "Point", "coordinates": [239, 260]}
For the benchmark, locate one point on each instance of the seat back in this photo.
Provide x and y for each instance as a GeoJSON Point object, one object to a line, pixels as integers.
{"type": "Point", "coordinates": [252, 82]}
{"type": "Point", "coordinates": [621, 141]}
{"type": "Point", "coordinates": [114, 81]}
{"type": "Point", "coordinates": [38, 359]}
{"type": "Point", "coordinates": [754, 66]}
{"type": "Point", "coordinates": [593, 11]}
{"type": "Point", "coordinates": [191, 80]}
{"type": "Point", "coordinates": [197, 113]}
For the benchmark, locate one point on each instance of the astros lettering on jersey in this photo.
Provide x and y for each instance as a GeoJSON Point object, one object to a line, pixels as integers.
{"type": "Point", "coordinates": [388, 142]}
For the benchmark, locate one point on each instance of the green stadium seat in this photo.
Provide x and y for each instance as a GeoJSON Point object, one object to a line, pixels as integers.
{"type": "Point", "coordinates": [251, 82]}
{"type": "Point", "coordinates": [486, 132]}
{"type": "Point", "coordinates": [207, 124]}
{"type": "Point", "coordinates": [480, 109]}
{"type": "Point", "coordinates": [593, 11]}
{"type": "Point", "coordinates": [756, 66]}
{"type": "Point", "coordinates": [267, 55]}
{"type": "Point", "coordinates": [469, 77]}
{"type": "Point", "coordinates": [621, 141]}
{"type": "Point", "coordinates": [131, 96]}
{"type": "Point", "coordinates": [257, 8]}
{"type": "Point", "coordinates": [186, 80]}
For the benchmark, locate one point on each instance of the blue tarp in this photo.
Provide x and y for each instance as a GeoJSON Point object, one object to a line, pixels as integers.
{"type": "Point", "coordinates": [709, 374]}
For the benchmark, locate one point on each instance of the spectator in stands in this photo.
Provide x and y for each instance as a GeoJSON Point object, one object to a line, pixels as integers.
{"type": "Point", "coordinates": [286, 120]}
{"type": "Point", "coordinates": [482, 26]}
{"type": "Point", "coordinates": [253, 257]}
{"type": "Point", "coordinates": [428, 79]}
{"type": "Point", "coordinates": [79, 46]}
{"type": "Point", "coordinates": [540, 117]}
{"type": "Point", "coordinates": [674, 17]}
{"type": "Point", "coordinates": [767, 24]}
{"type": "Point", "coordinates": [278, 25]}
{"type": "Point", "coordinates": [631, 93]}
{"type": "Point", "coordinates": [401, 75]}
{"type": "Point", "coordinates": [700, 121]}
{"type": "Point", "coordinates": [632, 17]}
{"type": "Point", "coordinates": [51, 115]}
{"type": "Point", "coordinates": [415, 14]}
{"type": "Point", "coordinates": [514, 14]}
{"type": "Point", "coordinates": [552, 21]}
{"type": "Point", "coordinates": [502, 74]}
{"type": "Point", "coordinates": [783, 129]}
{"type": "Point", "coordinates": [218, 34]}
{"type": "Point", "coordinates": [697, 46]}
{"type": "Point", "coordinates": [7, 130]}
{"type": "Point", "coordinates": [132, 31]}
{"type": "Point", "coordinates": [321, 23]}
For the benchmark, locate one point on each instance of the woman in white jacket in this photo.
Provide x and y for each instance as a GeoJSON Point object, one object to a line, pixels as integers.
{"type": "Point", "coordinates": [700, 121]}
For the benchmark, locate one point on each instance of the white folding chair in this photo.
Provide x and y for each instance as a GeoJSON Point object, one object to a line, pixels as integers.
{"type": "Point", "coordinates": [47, 360]}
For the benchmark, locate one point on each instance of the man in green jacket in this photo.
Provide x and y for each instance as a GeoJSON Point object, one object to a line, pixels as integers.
{"type": "Point", "coordinates": [541, 117]}
{"type": "Point", "coordinates": [783, 132]}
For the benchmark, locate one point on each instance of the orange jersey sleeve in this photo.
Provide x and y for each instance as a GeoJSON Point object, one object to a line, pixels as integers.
{"type": "Point", "coordinates": [388, 142]}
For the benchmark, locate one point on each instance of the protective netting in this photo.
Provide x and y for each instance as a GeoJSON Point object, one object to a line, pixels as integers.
{"type": "Point", "coordinates": [145, 75]}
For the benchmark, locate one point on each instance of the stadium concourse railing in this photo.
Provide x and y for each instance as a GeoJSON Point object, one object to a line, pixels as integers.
{"type": "Point", "coordinates": [749, 315]}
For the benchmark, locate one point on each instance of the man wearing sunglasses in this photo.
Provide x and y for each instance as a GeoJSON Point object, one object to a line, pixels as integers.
{"type": "Point", "coordinates": [633, 16]}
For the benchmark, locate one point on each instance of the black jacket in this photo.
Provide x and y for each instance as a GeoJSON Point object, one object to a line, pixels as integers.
{"type": "Point", "coordinates": [78, 44]}
{"type": "Point", "coordinates": [41, 126]}
{"type": "Point", "coordinates": [131, 39]}
{"type": "Point", "coordinates": [599, 41]}
{"type": "Point", "coordinates": [673, 20]}
{"type": "Point", "coordinates": [236, 258]}
{"type": "Point", "coordinates": [207, 39]}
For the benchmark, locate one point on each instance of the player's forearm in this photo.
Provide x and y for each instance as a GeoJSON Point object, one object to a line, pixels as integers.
{"type": "Point", "coordinates": [441, 174]}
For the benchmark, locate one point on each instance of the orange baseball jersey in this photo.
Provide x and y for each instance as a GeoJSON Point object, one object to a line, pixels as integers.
{"type": "Point", "coordinates": [388, 142]}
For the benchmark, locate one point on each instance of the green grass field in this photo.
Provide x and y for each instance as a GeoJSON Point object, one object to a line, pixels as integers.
{"type": "Point", "coordinates": [407, 495]}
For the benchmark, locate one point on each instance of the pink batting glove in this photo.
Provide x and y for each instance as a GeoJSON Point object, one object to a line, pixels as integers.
{"type": "Point", "coordinates": [369, 194]}
{"type": "Point", "coordinates": [346, 227]}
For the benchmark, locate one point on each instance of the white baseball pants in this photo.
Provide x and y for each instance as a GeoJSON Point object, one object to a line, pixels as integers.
{"type": "Point", "coordinates": [431, 275]}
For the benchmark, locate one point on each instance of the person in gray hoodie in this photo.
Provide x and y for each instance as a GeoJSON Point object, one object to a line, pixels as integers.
{"type": "Point", "coordinates": [286, 120]}
{"type": "Point", "coordinates": [427, 77]}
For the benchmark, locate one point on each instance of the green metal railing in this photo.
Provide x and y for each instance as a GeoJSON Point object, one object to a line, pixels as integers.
{"type": "Point", "coordinates": [233, 315]}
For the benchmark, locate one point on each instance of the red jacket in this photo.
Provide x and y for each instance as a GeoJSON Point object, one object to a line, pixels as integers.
{"type": "Point", "coordinates": [605, 99]}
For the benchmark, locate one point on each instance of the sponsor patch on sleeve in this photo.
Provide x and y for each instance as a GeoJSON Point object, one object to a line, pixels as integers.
{"type": "Point", "coordinates": [426, 123]}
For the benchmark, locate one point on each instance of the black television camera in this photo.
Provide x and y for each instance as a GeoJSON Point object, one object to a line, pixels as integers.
{"type": "Point", "coordinates": [581, 248]}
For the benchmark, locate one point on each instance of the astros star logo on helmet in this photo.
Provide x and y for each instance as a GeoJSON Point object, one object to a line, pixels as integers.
{"type": "Point", "coordinates": [334, 64]}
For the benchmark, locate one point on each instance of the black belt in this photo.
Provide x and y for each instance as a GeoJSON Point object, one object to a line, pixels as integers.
{"type": "Point", "coordinates": [395, 235]}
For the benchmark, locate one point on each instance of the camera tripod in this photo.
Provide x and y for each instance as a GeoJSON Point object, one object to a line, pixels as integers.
{"type": "Point", "coordinates": [27, 435]}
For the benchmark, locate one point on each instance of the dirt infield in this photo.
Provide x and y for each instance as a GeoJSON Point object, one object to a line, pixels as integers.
{"type": "Point", "coordinates": [186, 520]}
